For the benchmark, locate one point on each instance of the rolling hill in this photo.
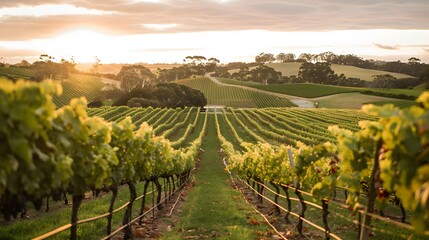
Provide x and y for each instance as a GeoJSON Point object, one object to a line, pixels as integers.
{"type": "Point", "coordinates": [79, 86]}
{"type": "Point", "coordinates": [292, 68]}
{"type": "Point", "coordinates": [13, 72]}
{"type": "Point", "coordinates": [116, 68]}
{"type": "Point", "coordinates": [234, 96]}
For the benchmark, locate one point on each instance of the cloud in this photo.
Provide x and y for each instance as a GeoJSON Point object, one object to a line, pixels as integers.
{"type": "Point", "coordinates": [127, 16]}
{"type": "Point", "coordinates": [387, 47]}
{"type": "Point", "coordinates": [48, 10]}
{"type": "Point", "coordinates": [159, 26]}
{"type": "Point", "coordinates": [18, 53]}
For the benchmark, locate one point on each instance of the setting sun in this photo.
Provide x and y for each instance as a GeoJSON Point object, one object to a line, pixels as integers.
{"type": "Point", "coordinates": [84, 44]}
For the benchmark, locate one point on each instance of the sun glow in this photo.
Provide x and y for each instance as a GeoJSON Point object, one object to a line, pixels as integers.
{"type": "Point", "coordinates": [82, 43]}
{"type": "Point", "coordinates": [85, 43]}
{"type": "Point", "coordinates": [160, 26]}
{"type": "Point", "coordinates": [48, 10]}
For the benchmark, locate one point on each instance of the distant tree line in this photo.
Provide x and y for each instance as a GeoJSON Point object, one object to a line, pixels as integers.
{"type": "Point", "coordinates": [315, 68]}
{"type": "Point", "coordinates": [139, 87]}
{"type": "Point", "coordinates": [414, 67]}
{"type": "Point", "coordinates": [158, 95]}
{"type": "Point", "coordinates": [192, 66]}
{"type": "Point", "coordinates": [45, 68]}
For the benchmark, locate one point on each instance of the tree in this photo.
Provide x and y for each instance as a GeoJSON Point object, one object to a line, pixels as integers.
{"type": "Point", "coordinates": [213, 60]}
{"type": "Point", "coordinates": [383, 81]}
{"type": "Point", "coordinates": [414, 60]}
{"type": "Point", "coordinates": [241, 75]}
{"type": "Point", "coordinates": [221, 72]}
{"type": "Point", "coordinates": [285, 57]}
{"type": "Point", "coordinates": [175, 95]}
{"type": "Point", "coordinates": [295, 79]}
{"type": "Point", "coordinates": [424, 77]}
{"type": "Point", "coordinates": [45, 68]}
{"type": "Point", "coordinates": [211, 64]}
{"type": "Point", "coordinates": [195, 60]}
{"type": "Point", "coordinates": [320, 73]}
{"type": "Point", "coordinates": [67, 67]}
{"type": "Point", "coordinates": [46, 58]}
{"type": "Point", "coordinates": [135, 76]}
{"type": "Point", "coordinates": [122, 98]}
{"type": "Point", "coordinates": [265, 58]}
{"type": "Point", "coordinates": [281, 57]}
{"type": "Point", "coordinates": [306, 57]}
{"type": "Point", "coordinates": [96, 65]}
{"type": "Point", "coordinates": [265, 75]}
{"type": "Point", "coordinates": [142, 102]}
{"type": "Point", "coordinates": [326, 57]}
{"type": "Point", "coordinates": [24, 63]}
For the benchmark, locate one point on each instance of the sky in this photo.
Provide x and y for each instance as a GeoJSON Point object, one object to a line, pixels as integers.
{"type": "Point", "coordinates": [154, 31]}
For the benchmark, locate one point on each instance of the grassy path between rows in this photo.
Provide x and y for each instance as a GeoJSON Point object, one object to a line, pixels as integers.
{"type": "Point", "coordinates": [213, 208]}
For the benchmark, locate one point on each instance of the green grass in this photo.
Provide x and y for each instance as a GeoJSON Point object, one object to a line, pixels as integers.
{"type": "Point", "coordinates": [354, 100]}
{"type": "Point", "coordinates": [307, 90]}
{"type": "Point", "coordinates": [213, 208]}
{"type": "Point", "coordinates": [237, 82]}
{"type": "Point", "coordinates": [75, 86]}
{"type": "Point", "coordinates": [234, 96]}
{"type": "Point", "coordinates": [397, 103]}
{"type": "Point", "coordinates": [362, 73]}
{"type": "Point", "coordinates": [287, 69]}
{"type": "Point", "coordinates": [79, 86]}
{"type": "Point", "coordinates": [408, 92]}
{"type": "Point", "coordinates": [340, 219]}
{"type": "Point", "coordinates": [311, 90]}
{"type": "Point", "coordinates": [422, 87]}
{"type": "Point", "coordinates": [40, 222]}
{"type": "Point", "coordinates": [16, 72]}
{"type": "Point", "coordinates": [292, 68]}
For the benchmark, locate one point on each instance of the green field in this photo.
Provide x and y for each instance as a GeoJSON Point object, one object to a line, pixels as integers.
{"type": "Point", "coordinates": [234, 96]}
{"type": "Point", "coordinates": [422, 87]}
{"type": "Point", "coordinates": [16, 72]}
{"type": "Point", "coordinates": [397, 103]}
{"type": "Point", "coordinates": [310, 90]}
{"type": "Point", "coordinates": [288, 69]}
{"type": "Point", "coordinates": [76, 85]}
{"type": "Point", "coordinates": [237, 82]}
{"type": "Point", "coordinates": [356, 100]}
{"type": "Point", "coordinates": [306, 90]}
{"type": "Point", "coordinates": [362, 73]}
{"type": "Point", "coordinates": [408, 92]}
{"type": "Point", "coordinates": [79, 85]}
{"type": "Point", "coordinates": [292, 68]}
